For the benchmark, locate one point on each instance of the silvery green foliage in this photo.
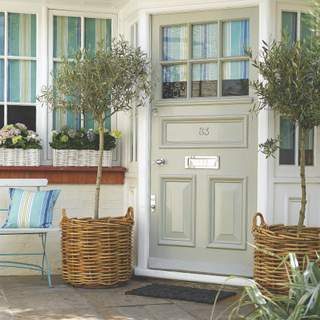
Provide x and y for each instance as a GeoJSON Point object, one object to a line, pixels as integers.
{"type": "Point", "coordinates": [303, 301]}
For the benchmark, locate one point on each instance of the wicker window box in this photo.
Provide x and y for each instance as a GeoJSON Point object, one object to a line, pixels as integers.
{"type": "Point", "coordinates": [19, 157]}
{"type": "Point", "coordinates": [80, 158]}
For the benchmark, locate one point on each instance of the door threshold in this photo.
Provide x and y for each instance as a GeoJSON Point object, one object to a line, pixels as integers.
{"type": "Point", "coordinates": [193, 277]}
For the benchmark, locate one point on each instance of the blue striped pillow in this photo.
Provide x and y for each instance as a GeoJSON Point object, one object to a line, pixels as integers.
{"type": "Point", "coordinates": [31, 209]}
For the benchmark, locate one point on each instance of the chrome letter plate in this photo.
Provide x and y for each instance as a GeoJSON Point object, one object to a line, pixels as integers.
{"type": "Point", "coordinates": [202, 162]}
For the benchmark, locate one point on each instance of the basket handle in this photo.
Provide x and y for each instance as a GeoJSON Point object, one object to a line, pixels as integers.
{"type": "Point", "coordinates": [64, 217]}
{"type": "Point", "coordinates": [129, 214]}
{"type": "Point", "coordinates": [262, 223]}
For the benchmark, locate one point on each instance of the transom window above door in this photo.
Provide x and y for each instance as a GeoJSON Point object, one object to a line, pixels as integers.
{"type": "Point", "coordinates": [205, 59]}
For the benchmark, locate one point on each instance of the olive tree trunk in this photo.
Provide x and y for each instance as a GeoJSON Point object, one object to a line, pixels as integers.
{"type": "Point", "coordinates": [99, 173]}
{"type": "Point", "coordinates": [303, 178]}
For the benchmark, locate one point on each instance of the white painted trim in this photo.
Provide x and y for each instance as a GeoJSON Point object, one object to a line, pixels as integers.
{"type": "Point", "coordinates": [194, 277]}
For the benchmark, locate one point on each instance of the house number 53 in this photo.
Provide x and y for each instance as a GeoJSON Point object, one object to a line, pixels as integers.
{"type": "Point", "coordinates": [204, 131]}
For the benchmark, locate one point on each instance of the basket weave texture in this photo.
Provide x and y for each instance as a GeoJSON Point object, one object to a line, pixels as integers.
{"type": "Point", "coordinates": [80, 158]}
{"type": "Point", "coordinates": [280, 240]}
{"type": "Point", "coordinates": [97, 252]}
{"type": "Point", "coordinates": [19, 157]}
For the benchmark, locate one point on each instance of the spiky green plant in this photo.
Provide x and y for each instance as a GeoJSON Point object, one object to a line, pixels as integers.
{"type": "Point", "coordinates": [302, 302]}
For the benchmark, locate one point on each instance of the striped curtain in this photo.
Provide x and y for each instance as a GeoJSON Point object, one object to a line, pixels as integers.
{"type": "Point", "coordinates": [205, 71]}
{"type": "Point", "coordinates": [174, 73]}
{"type": "Point", "coordinates": [66, 35]}
{"type": "Point", "coordinates": [97, 30]}
{"type": "Point", "coordinates": [2, 24]}
{"type": "Point", "coordinates": [175, 41]}
{"type": "Point", "coordinates": [235, 35]}
{"type": "Point", "coordinates": [235, 70]}
{"type": "Point", "coordinates": [22, 32]}
{"type": "Point", "coordinates": [205, 40]}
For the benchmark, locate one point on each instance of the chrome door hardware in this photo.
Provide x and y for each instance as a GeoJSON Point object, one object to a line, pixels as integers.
{"type": "Point", "coordinates": [160, 162]}
{"type": "Point", "coordinates": [155, 111]}
{"type": "Point", "coordinates": [153, 203]}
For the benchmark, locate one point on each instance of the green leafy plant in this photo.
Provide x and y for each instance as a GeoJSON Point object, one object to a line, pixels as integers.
{"type": "Point", "coordinates": [99, 85]}
{"type": "Point", "coordinates": [289, 86]}
{"type": "Point", "coordinates": [18, 136]}
{"type": "Point", "coordinates": [83, 140]}
{"type": "Point", "coordinates": [302, 302]}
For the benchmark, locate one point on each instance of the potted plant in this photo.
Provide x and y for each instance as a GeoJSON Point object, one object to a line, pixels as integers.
{"type": "Point", "coordinates": [95, 86]}
{"type": "Point", "coordinates": [80, 148]}
{"type": "Point", "coordinates": [289, 86]}
{"type": "Point", "coordinates": [19, 146]}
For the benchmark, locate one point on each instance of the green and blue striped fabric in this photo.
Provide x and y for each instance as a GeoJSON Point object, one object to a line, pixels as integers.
{"type": "Point", "coordinates": [174, 73]}
{"type": "Point", "coordinates": [31, 209]}
{"type": "Point", "coordinates": [22, 32]}
{"type": "Point", "coordinates": [235, 70]}
{"type": "Point", "coordinates": [175, 42]}
{"type": "Point", "coordinates": [2, 26]}
{"type": "Point", "coordinates": [97, 30]}
{"type": "Point", "coordinates": [235, 35]}
{"type": "Point", "coordinates": [205, 71]}
{"type": "Point", "coordinates": [205, 41]}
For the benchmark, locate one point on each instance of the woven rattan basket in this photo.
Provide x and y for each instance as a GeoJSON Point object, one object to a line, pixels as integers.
{"type": "Point", "coordinates": [80, 158]}
{"type": "Point", "coordinates": [97, 252]}
{"type": "Point", "coordinates": [281, 240]}
{"type": "Point", "coordinates": [19, 157]}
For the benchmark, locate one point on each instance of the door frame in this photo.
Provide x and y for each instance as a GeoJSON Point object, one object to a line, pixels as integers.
{"type": "Point", "coordinates": [267, 9]}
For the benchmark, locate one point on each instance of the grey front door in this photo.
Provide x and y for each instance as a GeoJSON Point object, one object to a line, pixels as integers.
{"type": "Point", "coordinates": [204, 190]}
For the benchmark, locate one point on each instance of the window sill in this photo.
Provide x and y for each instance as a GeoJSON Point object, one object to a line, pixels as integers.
{"type": "Point", "coordinates": [75, 175]}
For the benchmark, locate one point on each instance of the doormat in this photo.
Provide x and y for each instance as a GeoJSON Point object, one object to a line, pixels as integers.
{"type": "Point", "coordinates": [180, 293]}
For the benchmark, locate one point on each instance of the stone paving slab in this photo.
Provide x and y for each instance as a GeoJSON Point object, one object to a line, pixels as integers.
{"type": "Point", "coordinates": [30, 298]}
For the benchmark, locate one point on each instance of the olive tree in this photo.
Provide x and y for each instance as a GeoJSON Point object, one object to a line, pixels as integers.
{"type": "Point", "coordinates": [289, 86]}
{"type": "Point", "coordinates": [98, 85]}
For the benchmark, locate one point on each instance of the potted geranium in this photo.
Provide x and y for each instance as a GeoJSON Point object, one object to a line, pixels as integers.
{"type": "Point", "coordinates": [80, 148]}
{"type": "Point", "coordinates": [19, 146]}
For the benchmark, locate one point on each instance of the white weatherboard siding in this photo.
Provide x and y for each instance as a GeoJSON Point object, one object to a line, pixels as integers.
{"type": "Point", "coordinates": [78, 200]}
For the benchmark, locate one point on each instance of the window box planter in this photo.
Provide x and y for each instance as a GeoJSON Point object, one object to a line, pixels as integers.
{"type": "Point", "coordinates": [19, 157]}
{"type": "Point", "coordinates": [80, 158]}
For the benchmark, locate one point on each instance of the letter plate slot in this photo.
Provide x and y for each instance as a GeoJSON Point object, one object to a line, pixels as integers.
{"type": "Point", "coordinates": [202, 162]}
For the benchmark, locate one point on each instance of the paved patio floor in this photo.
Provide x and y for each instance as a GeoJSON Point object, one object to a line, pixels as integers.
{"type": "Point", "coordinates": [30, 298]}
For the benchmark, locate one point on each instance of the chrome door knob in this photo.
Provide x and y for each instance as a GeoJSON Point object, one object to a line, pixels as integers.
{"type": "Point", "coordinates": [160, 162]}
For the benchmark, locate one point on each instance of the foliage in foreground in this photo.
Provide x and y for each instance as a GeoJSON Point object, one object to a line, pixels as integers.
{"type": "Point", "coordinates": [94, 86]}
{"type": "Point", "coordinates": [289, 85]}
{"type": "Point", "coordinates": [303, 301]}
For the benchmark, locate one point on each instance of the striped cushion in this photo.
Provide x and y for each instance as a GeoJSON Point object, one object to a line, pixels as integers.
{"type": "Point", "coordinates": [31, 209]}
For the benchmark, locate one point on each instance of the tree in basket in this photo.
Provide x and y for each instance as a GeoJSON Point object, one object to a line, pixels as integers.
{"type": "Point", "coordinates": [99, 85]}
{"type": "Point", "coordinates": [289, 86]}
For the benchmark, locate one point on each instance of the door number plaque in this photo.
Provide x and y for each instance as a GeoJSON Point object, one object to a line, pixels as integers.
{"type": "Point", "coordinates": [202, 162]}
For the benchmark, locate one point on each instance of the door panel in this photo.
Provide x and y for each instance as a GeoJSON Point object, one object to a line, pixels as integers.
{"type": "Point", "coordinates": [204, 206]}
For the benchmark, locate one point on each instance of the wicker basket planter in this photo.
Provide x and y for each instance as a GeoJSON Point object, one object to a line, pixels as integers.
{"type": "Point", "coordinates": [19, 157]}
{"type": "Point", "coordinates": [281, 240]}
{"type": "Point", "coordinates": [80, 158]}
{"type": "Point", "coordinates": [97, 252]}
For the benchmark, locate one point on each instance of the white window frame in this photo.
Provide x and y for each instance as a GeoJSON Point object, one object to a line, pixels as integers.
{"type": "Point", "coordinates": [114, 32]}
{"type": "Point", "coordinates": [284, 170]}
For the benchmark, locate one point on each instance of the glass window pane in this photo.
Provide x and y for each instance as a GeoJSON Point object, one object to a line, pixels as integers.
{"type": "Point", "coordinates": [309, 147]}
{"type": "Point", "coordinates": [235, 78]}
{"type": "Point", "coordinates": [236, 34]}
{"type": "Point", "coordinates": [66, 35]}
{"type": "Point", "coordinates": [22, 81]}
{"type": "Point", "coordinates": [204, 79]}
{"type": "Point", "coordinates": [22, 114]}
{"type": "Point", "coordinates": [1, 116]}
{"type": "Point", "coordinates": [305, 26]}
{"type": "Point", "coordinates": [205, 41]}
{"type": "Point", "coordinates": [287, 145]}
{"type": "Point", "coordinates": [289, 21]}
{"type": "Point", "coordinates": [175, 41]}
{"type": "Point", "coordinates": [22, 33]}
{"type": "Point", "coordinates": [1, 80]}
{"type": "Point", "coordinates": [174, 81]}
{"type": "Point", "coordinates": [95, 31]}
{"type": "Point", "coordinates": [2, 33]}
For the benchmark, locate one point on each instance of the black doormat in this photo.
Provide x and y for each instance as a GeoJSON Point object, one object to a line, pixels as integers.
{"type": "Point", "coordinates": [180, 293]}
